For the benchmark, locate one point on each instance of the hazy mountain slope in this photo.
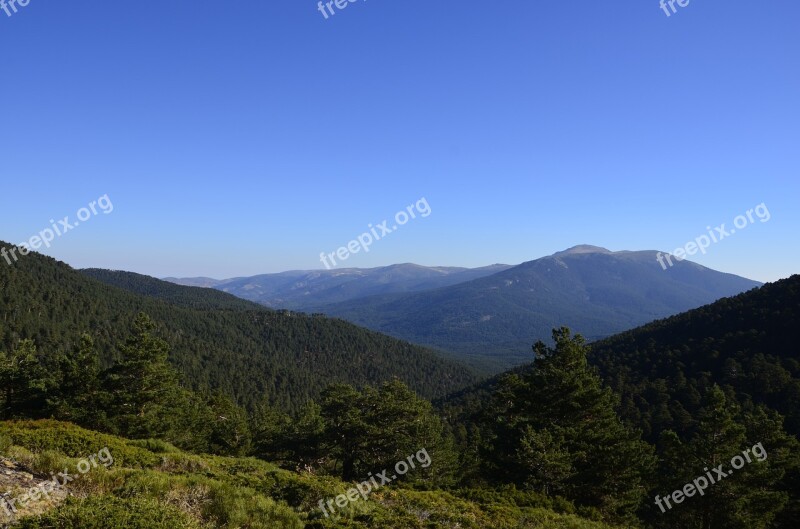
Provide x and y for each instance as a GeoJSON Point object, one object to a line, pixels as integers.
{"type": "Point", "coordinates": [285, 356]}
{"type": "Point", "coordinates": [306, 290]}
{"type": "Point", "coordinates": [591, 290]}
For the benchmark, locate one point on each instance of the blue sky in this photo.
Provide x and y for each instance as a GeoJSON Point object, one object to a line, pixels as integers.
{"type": "Point", "coordinates": [236, 138]}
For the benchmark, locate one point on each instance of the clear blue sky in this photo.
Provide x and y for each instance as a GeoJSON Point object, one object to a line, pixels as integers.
{"type": "Point", "coordinates": [236, 138]}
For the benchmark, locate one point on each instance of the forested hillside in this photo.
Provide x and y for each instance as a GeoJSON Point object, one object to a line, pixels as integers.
{"type": "Point", "coordinates": [747, 344]}
{"type": "Point", "coordinates": [216, 341]}
{"type": "Point", "coordinates": [184, 296]}
{"type": "Point", "coordinates": [700, 386]}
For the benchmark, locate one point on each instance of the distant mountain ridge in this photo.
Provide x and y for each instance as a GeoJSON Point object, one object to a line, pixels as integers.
{"type": "Point", "coordinates": [496, 318]}
{"type": "Point", "coordinates": [308, 289]}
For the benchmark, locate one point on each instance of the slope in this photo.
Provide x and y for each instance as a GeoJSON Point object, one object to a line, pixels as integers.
{"type": "Point", "coordinates": [495, 319]}
{"type": "Point", "coordinates": [152, 485]}
{"type": "Point", "coordinates": [249, 354]}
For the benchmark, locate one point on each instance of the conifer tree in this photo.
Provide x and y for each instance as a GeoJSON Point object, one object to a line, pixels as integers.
{"type": "Point", "coordinates": [562, 433]}
{"type": "Point", "coordinates": [24, 382]}
{"type": "Point", "coordinates": [143, 385]}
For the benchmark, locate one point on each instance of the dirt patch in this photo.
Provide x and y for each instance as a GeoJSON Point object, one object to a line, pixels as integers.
{"type": "Point", "coordinates": [15, 482]}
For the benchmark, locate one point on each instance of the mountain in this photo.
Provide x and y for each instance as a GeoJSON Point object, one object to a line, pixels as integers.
{"type": "Point", "coordinates": [308, 290]}
{"type": "Point", "coordinates": [747, 343]}
{"type": "Point", "coordinates": [492, 321]}
{"type": "Point", "coordinates": [203, 282]}
{"type": "Point", "coordinates": [217, 341]}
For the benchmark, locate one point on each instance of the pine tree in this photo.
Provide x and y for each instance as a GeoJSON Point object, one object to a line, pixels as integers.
{"type": "Point", "coordinates": [344, 427]}
{"type": "Point", "coordinates": [745, 498]}
{"type": "Point", "coordinates": [24, 383]}
{"type": "Point", "coordinates": [562, 433]}
{"type": "Point", "coordinates": [143, 385]}
{"type": "Point", "coordinates": [229, 431]}
{"type": "Point", "coordinates": [77, 397]}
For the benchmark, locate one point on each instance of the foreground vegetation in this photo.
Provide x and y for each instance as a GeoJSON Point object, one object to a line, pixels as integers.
{"type": "Point", "coordinates": [154, 485]}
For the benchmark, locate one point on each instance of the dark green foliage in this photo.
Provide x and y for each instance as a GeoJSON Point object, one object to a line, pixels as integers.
{"type": "Point", "coordinates": [23, 382]}
{"type": "Point", "coordinates": [748, 498]}
{"type": "Point", "coordinates": [352, 433]}
{"type": "Point", "coordinates": [555, 431]}
{"type": "Point", "coordinates": [77, 395]}
{"type": "Point", "coordinates": [142, 386]}
{"type": "Point", "coordinates": [747, 343]}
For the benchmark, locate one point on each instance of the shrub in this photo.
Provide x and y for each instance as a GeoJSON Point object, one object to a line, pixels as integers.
{"type": "Point", "coordinates": [5, 443]}
{"type": "Point", "coordinates": [48, 462]}
{"type": "Point", "coordinates": [104, 512]}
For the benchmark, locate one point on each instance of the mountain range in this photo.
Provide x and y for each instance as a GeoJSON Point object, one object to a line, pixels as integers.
{"type": "Point", "coordinates": [490, 316]}
{"type": "Point", "coordinates": [304, 289]}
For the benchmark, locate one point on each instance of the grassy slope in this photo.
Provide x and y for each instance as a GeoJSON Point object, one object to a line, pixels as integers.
{"type": "Point", "coordinates": [153, 485]}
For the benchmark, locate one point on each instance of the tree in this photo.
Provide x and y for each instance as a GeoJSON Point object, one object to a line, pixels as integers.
{"type": "Point", "coordinates": [374, 429]}
{"type": "Point", "coordinates": [226, 428]}
{"type": "Point", "coordinates": [77, 396]}
{"type": "Point", "coordinates": [271, 432]}
{"type": "Point", "coordinates": [24, 382]}
{"type": "Point", "coordinates": [143, 385]}
{"type": "Point", "coordinates": [745, 498]}
{"type": "Point", "coordinates": [556, 430]}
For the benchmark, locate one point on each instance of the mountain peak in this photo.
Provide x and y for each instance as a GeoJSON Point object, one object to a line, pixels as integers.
{"type": "Point", "coordinates": [582, 248]}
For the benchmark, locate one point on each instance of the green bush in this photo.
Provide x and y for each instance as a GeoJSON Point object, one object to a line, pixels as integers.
{"type": "Point", "coordinates": [48, 462]}
{"type": "Point", "coordinates": [73, 441]}
{"type": "Point", "coordinates": [109, 512]}
{"type": "Point", "coordinates": [5, 443]}
{"type": "Point", "coordinates": [156, 446]}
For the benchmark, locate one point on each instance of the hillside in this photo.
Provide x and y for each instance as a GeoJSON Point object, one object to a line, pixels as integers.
{"type": "Point", "coordinates": [494, 320]}
{"type": "Point", "coordinates": [308, 290]}
{"type": "Point", "coordinates": [183, 296]}
{"type": "Point", "coordinates": [152, 485]}
{"type": "Point", "coordinates": [700, 386]}
{"type": "Point", "coordinates": [224, 344]}
{"type": "Point", "coordinates": [748, 343]}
